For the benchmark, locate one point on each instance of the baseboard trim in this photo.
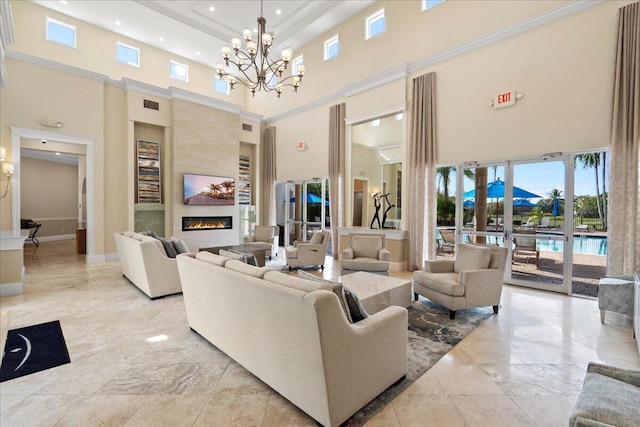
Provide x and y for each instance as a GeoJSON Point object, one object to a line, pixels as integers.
{"type": "Point", "coordinates": [397, 265]}
{"type": "Point", "coordinates": [11, 289]}
{"type": "Point", "coordinates": [111, 257]}
{"type": "Point", "coordinates": [53, 238]}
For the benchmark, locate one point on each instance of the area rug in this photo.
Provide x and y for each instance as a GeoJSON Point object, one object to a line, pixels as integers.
{"type": "Point", "coordinates": [33, 349]}
{"type": "Point", "coordinates": [431, 335]}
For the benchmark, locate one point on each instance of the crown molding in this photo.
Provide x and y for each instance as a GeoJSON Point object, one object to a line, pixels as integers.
{"type": "Point", "coordinates": [388, 76]}
{"type": "Point", "coordinates": [253, 117]}
{"type": "Point", "coordinates": [55, 66]}
{"type": "Point", "coordinates": [505, 33]}
{"type": "Point", "coordinates": [144, 88]}
{"type": "Point", "coordinates": [394, 109]}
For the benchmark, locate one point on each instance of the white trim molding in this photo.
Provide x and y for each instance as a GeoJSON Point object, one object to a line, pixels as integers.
{"type": "Point", "coordinates": [11, 289]}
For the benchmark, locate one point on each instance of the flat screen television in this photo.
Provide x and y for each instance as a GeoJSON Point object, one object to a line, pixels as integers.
{"type": "Point", "coordinates": [209, 190]}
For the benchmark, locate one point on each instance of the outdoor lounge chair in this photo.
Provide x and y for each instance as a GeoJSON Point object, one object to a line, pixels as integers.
{"type": "Point", "coordinates": [526, 244]}
{"type": "Point", "coordinates": [446, 241]}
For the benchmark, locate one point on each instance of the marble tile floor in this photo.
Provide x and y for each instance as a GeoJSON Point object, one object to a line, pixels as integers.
{"type": "Point", "coordinates": [135, 362]}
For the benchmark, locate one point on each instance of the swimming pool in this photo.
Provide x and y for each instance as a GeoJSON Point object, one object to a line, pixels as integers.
{"type": "Point", "coordinates": [588, 245]}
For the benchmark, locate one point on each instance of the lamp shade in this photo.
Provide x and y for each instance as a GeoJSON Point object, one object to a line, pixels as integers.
{"type": "Point", "coordinates": [3, 154]}
{"type": "Point", "coordinates": [7, 168]}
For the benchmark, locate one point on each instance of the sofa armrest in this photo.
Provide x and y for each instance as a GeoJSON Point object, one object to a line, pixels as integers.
{"type": "Point", "coordinates": [383, 255]}
{"type": "Point", "coordinates": [630, 376]}
{"type": "Point", "coordinates": [347, 253]}
{"type": "Point", "coordinates": [310, 247]}
{"type": "Point", "coordinates": [248, 239]}
{"type": "Point", "coordinates": [275, 240]}
{"type": "Point", "coordinates": [439, 266]}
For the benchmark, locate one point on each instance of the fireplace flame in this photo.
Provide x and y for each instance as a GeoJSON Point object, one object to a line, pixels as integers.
{"type": "Point", "coordinates": [203, 224]}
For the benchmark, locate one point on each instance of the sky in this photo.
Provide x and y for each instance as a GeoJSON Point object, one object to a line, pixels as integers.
{"type": "Point", "coordinates": [541, 178]}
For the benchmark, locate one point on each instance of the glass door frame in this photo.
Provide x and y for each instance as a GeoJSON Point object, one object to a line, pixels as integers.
{"type": "Point", "coordinates": [291, 223]}
{"type": "Point", "coordinates": [508, 234]}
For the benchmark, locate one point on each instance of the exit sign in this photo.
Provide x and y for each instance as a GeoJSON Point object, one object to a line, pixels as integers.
{"type": "Point", "coordinates": [504, 99]}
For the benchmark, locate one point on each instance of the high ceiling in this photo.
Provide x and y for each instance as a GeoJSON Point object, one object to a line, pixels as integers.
{"type": "Point", "coordinates": [190, 29]}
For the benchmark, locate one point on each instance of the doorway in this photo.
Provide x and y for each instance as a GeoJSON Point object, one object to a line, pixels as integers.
{"type": "Point", "coordinates": [360, 191]}
{"type": "Point", "coordinates": [527, 207]}
{"type": "Point", "coordinates": [17, 135]}
{"type": "Point", "coordinates": [306, 209]}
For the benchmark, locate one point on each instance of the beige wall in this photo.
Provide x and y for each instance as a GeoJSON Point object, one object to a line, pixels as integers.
{"type": "Point", "coordinates": [96, 52]}
{"type": "Point", "coordinates": [35, 93]}
{"type": "Point", "coordinates": [11, 267]}
{"type": "Point", "coordinates": [49, 195]}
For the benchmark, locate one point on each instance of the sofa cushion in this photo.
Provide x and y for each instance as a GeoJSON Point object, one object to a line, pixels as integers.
{"type": "Point", "coordinates": [240, 256]}
{"type": "Point", "coordinates": [471, 257]}
{"type": "Point", "coordinates": [356, 310]}
{"type": "Point", "coordinates": [180, 245]}
{"type": "Point", "coordinates": [445, 283]}
{"type": "Point", "coordinates": [366, 246]}
{"type": "Point", "coordinates": [365, 264]}
{"type": "Point", "coordinates": [247, 269]}
{"type": "Point", "coordinates": [212, 258]}
{"type": "Point", "coordinates": [137, 236]}
{"type": "Point", "coordinates": [336, 288]}
{"type": "Point", "coordinates": [128, 233]}
{"type": "Point", "coordinates": [156, 242]}
{"type": "Point", "coordinates": [294, 282]}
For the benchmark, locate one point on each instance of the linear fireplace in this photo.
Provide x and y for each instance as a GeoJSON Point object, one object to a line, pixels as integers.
{"type": "Point", "coordinates": [192, 223]}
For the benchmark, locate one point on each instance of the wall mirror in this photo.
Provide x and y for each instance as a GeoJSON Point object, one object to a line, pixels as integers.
{"type": "Point", "coordinates": [376, 168]}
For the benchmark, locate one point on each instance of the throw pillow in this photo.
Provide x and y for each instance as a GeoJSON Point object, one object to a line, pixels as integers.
{"type": "Point", "coordinates": [240, 256]}
{"type": "Point", "coordinates": [317, 238]}
{"type": "Point", "coordinates": [152, 234]}
{"type": "Point", "coordinates": [181, 247]}
{"type": "Point", "coordinates": [212, 258]}
{"type": "Point", "coordinates": [247, 269]}
{"type": "Point", "coordinates": [356, 310]}
{"type": "Point", "coordinates": [168, 247]}
{"type": "Point", "coordinates": [471, 257]}
{"type": "Point", "coordinates": [336, 288]}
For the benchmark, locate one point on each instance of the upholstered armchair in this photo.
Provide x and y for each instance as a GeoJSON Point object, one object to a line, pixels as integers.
{"type": "Point", "coordinates": [366, 253]}
{"type": "Point", "coordinates": [265, 234]}
{"type": "Point", "coordinates": [609, 397]}
{"type": "Point", "coordinates": [473, 279]}
{"type": "Point", "coordinates": [312, 252]}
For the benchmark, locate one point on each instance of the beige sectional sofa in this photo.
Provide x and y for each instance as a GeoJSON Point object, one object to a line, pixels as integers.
{"type": "Point", "coordinates": [144, 261]}
{"type": "Point", "coordinates": [293, 334]}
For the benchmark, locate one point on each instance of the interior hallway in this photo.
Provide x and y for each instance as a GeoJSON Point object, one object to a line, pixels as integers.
{"type": "Point", "coordinates": [135, 361]}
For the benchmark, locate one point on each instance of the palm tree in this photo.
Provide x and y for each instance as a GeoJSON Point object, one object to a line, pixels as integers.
{"type": "Point", "coordinates": [444, 177]}
{"type": "Point", "coordinates": [228, 186]}
{"type": "Point", "coordinates": [592, 160]}
{"type": "Point", "coordinates": [215, 189]}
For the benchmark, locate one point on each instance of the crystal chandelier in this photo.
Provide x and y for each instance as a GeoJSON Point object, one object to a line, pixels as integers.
{"type": "Point", "coordinates": [260, 71]}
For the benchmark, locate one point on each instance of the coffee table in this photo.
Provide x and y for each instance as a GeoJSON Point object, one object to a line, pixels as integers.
{"type": "Point", "coordinates": [377, 292]}
{"type": "Point", "coordinates": [258, 249]}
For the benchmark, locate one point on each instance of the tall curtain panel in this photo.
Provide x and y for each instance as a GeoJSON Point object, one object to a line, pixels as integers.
{"type": "Point", "coordinates": [337, 171]}
{"type": "Point", "coordinates": [624, 209]}
{"type": "Point", "coordinates": [268, 178]}
{"type": "Point", "coordinates": [421, 159]}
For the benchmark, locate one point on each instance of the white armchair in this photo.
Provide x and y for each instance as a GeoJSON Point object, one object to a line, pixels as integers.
{"type": "Point", "coordinates": [473, 279]}
{"type": "Point", "coordinates": [366, 253]}
{"type": "Point", "coordinates": [265, 234]}
{"type": "Point", "coordinates": [312, 252]}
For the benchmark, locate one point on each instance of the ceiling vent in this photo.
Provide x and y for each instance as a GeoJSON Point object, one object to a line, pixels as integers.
{"type": "Point", "coordinates": [152, 105]}
{"type": "Point", "coordinates": [247, 127]}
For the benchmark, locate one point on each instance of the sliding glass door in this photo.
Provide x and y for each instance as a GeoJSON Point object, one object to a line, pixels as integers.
{"type": "Point", "coordinates": [307, 208]}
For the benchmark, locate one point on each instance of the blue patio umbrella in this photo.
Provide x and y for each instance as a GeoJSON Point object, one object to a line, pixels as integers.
{"type": "Point", "coordinates": [468, 204]}
{"type": "Point", "coordinates": [495, 190]}
{"type": "Point", "coordinates": [555, 209]}
{"type": "Point", "coordinates": [311, 198]}
{"type": "Point", "coordinates": [523, 203]}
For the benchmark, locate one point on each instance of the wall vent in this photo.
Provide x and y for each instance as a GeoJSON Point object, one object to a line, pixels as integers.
{"type": "Point", "coordinates": [153, 105]}
{"type": "Point", "coordinates": [247, 127]}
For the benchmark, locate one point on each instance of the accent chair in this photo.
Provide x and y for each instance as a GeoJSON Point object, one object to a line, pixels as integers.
{"type": "Point", "coordinates": [366, 253]}
{"type": "Point", "coordinates": [266, 234]}
{"type": "Point", "coordinates": [311, 252]}
{"type": "Point", "coordinates": [473, 279]}
{"type": "Point", "coordinates": [526, 245]}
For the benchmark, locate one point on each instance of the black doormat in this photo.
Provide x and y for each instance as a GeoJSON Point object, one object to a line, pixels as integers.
{"type": "Point", "coordinates": [33, 349]}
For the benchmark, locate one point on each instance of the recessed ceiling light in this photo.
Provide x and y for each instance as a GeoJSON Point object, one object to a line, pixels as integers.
{"type": "Point", "coordinates": [57, 154]}
{"type": "Point", "coordinates": [63, 1]}
{"type": "Point", "coordinates": [161, 39]}
{"type": "Point", "coordinates": [198, 53]}
{"type": "Point", "coordinates": [118, 23]}
{"type": "Point", "coordinates": [278, 12]}
{"type": "Point", "coordinates": [212, 9]}
{"type": "Point", "coordinates": [255, 30]}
